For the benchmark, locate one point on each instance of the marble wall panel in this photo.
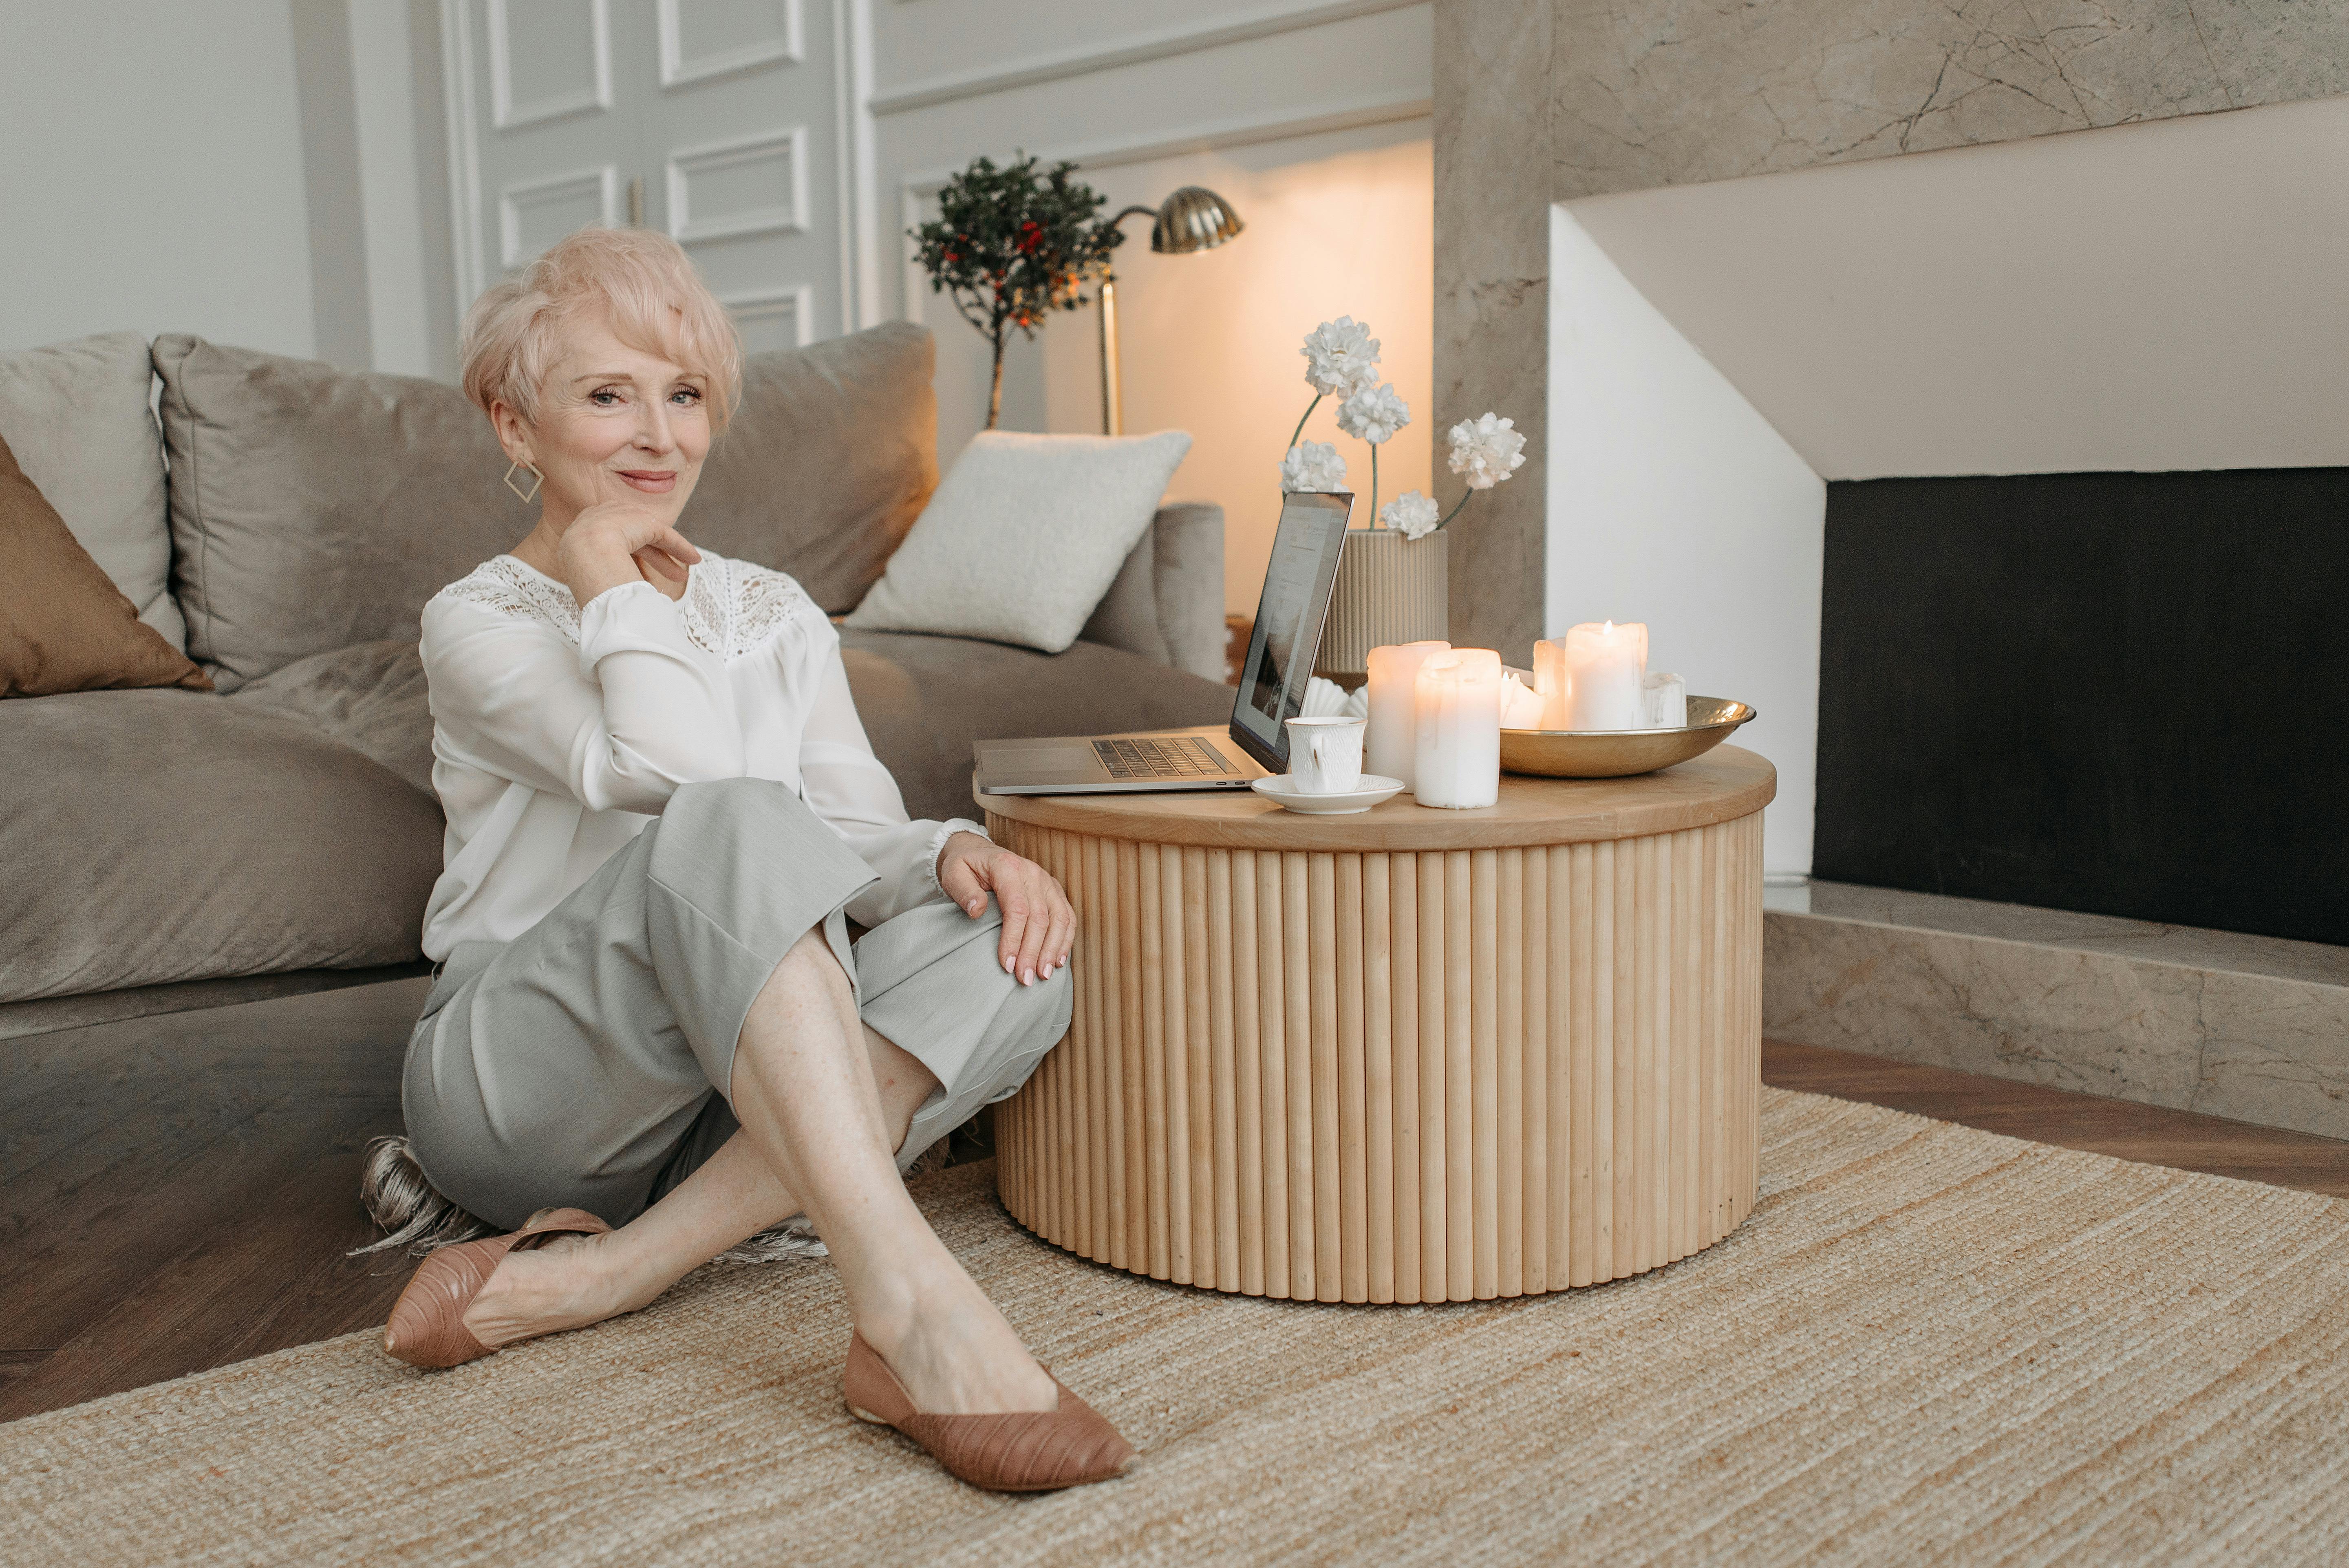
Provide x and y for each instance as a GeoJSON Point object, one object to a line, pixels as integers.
{"type": "Point", "coordinates": [1492, 93]}
{"type": "Point", "coordinates": [2276, 1054]}
{"type": "Point", "coordinates": [1539, 101]}
{"type": "Point", "coordinates": [2270, 1049]}
{"type": "Point", "coordinates": [1670, 92]}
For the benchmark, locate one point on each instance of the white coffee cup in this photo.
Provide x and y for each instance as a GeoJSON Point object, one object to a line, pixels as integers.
{"type": "Point", "coordinates": [1325, 755]}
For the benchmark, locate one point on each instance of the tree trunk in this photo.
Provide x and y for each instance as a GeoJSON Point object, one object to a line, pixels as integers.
{"type": "Point", "coordinates": [995, 389]}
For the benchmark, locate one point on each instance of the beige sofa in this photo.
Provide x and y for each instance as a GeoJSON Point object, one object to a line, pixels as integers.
{"type": "Point", "coordinates": [161, 849]}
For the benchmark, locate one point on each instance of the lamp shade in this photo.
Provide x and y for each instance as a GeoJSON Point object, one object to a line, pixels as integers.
{"type": "Point", "coordinates": [1194, 219]}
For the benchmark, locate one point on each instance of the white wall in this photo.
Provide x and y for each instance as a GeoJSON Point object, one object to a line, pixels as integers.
{"type": "Point", "coordinates": [1310, 116]}
{"type": "Point", "coordinates": [1672, 501]}
{"type": "Point", "coordinates": [2167, 295]}
{"type": "Point", "coordinates": [403, 193]}
{"type": "Point", "coordinates": [154, 173]}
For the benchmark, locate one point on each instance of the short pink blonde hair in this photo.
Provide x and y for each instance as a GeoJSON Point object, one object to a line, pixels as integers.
{"type": "Point", "coordinates": [642, 282]}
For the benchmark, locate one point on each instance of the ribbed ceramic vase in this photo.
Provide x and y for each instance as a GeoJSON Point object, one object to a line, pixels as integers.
{"type": "Point", "coordinates": [1389, 590]}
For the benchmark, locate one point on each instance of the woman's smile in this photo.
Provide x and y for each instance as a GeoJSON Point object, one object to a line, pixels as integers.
{"type": "Point", "coordinates": [652, 481]}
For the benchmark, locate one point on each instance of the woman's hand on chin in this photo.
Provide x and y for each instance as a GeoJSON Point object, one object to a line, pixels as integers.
{"type": "Point", "coordinates": [613, 544]}
{"type": "Point", "coordinates": [1038, 923]}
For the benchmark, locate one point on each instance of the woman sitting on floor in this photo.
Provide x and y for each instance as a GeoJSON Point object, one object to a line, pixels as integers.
{"type": "Point", "coordinates": [663, 813]}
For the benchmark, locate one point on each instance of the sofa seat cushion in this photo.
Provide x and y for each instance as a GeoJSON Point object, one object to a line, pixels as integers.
{"type": "Point", "coordinates": [371, 698]}
{"type": "Point", "coordinates": [155, 836]}
{"type": "Point", "coordinates": [925, 699]}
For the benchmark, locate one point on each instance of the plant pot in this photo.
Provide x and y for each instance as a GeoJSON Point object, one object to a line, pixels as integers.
{"type": "Point", "coordinates": [1390, 589]}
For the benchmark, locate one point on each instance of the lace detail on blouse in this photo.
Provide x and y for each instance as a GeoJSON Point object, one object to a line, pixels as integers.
{"type": "Point", "coordinates": [731, 608]}
{"type": "Point", "coordinates": [763, 600]}
{"type": "Point", "coordinates": [507, 587]}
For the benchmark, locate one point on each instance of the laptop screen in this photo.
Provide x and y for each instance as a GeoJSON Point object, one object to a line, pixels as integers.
{"type": "Point", "coordinates": [1288, 617]}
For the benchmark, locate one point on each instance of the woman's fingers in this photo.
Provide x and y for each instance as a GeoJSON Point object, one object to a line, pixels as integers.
{"type": "Point", "coordinates": [962, 885]}
{"type": "Point", "coordinates": [658, 564]}
{"type": "Point", "coordinates": [676, 546]}
{"type": "Point", "coordinates": [1063, 930]}
{"type": "Point", "coordinates": [1032, 951]}
{"type": "Point", "coordinates": [1013, 900]}
{"type": "Point", "coordinates": [1038, 922]}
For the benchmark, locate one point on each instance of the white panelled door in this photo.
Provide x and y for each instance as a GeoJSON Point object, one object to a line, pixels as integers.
{"type": "Point", "coordinates": [713, 120]}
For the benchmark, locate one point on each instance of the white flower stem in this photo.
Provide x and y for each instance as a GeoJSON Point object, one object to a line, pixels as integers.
{"type": "Point", "coordinates": [1454, 511]}
{"type": "Point", "coordinates": [1301, 419]}
{"type": "Point", "coordinates": [1374, 484]}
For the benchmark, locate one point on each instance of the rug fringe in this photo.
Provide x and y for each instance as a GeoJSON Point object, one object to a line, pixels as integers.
{"type": "Point", "coordinates": [403, 1203]}
{"type": "Point", "coordinates": [414, 1215]}
{"type": "Point", "coordinates": [794, 1238]}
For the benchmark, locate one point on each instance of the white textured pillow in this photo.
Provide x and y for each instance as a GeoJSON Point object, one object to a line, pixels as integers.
{"type": "Point", "coordinates": [1023, 537]}
{"type": "Point", "coordinates": [76, 416]}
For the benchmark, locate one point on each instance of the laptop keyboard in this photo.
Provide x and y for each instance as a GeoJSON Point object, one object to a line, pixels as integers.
{"type": "Point", "coordinates": [1188, 757]}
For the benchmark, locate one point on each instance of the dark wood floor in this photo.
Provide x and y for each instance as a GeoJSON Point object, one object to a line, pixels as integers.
{"type": "Point", "coordinates": [177, 1193]}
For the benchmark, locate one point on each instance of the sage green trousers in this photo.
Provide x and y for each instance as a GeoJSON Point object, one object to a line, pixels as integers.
{"type": "Point", "coordinates": [587, 1062]}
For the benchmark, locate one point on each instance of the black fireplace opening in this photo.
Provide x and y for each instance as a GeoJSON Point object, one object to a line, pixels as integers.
{"type": "Point", "coordinates": [2120, 693]}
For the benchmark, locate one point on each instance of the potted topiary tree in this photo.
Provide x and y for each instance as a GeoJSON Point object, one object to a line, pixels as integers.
{"type": "Point", "coordinates": [1011, 243]}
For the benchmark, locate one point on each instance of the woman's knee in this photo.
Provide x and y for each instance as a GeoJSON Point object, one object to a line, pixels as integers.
{"type": "Point", "coordinates": [810, 961]}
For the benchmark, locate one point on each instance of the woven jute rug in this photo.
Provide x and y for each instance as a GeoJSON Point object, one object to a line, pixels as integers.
{"type": "Point", "coordinates": [1927, 1343]}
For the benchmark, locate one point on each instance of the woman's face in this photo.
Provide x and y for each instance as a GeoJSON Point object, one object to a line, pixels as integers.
{"type": "Point", "coordinates": [615, 424]}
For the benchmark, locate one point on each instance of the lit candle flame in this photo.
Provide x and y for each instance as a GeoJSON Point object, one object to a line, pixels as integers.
{"type": "Point", "coordinates": [1610, 629]}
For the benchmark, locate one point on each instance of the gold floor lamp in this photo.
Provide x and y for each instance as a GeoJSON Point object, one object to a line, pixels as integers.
{"type": "Point", "coordinates": [1194, 219]}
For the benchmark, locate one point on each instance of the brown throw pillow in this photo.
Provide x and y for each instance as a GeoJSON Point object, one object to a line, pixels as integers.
{"type": "Point", "coordinates": [63, 625]}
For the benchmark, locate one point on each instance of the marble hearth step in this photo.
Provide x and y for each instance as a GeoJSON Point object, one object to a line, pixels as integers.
{"type": "Point", "coordinates": [2254, 1029]}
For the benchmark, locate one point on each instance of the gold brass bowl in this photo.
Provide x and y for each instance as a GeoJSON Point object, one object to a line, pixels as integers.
{"type": "Point", "coordinates": [1618, 753]}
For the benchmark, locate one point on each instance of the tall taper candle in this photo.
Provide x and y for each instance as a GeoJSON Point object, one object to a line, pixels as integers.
{"type": "Point", "coordinates": [1459, 723]}
{"type": "Point", "coordinates": [1394, 669]}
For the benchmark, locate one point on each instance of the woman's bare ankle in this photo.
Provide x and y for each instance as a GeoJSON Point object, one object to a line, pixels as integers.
{"type": "Point", "coordinates": [954, 1352]}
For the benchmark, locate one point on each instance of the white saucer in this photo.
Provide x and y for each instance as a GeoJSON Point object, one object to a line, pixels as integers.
{"type": "Point", "coordinates": [1373, 789]}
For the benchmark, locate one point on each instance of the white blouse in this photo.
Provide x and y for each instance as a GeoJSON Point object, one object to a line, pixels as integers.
{"type": "Point", "coordinates": [558, 733]}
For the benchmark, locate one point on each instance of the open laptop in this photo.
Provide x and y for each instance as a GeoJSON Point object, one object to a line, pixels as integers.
{"type": "Point", "coordinates": [1289, 617]}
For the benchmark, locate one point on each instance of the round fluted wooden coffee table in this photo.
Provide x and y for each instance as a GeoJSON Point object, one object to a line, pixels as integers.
{"type": "Point", "coordinates": [1411, 1054]}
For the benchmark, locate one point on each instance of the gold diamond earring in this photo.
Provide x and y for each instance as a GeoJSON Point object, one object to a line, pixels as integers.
{"type": "Point", "coordinates": [536, 480]}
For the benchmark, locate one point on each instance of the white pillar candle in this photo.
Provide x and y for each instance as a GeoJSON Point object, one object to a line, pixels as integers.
{"type": "Point", "coordinates": [1458, 762]}
{"type": "Point", "coordinates": [1605, 666]}
{"type": "Point", "coordinates": [1520, 709]}
{"type": "Point", "coordinates": [1386, 750]}
{"type": "Point", "coordinates": [1667, 698]}
{"type": "Point", "coordinates": [1550, 681]}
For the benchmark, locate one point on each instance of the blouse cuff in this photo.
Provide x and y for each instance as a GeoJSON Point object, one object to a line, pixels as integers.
{"type": "Point", "coordinates": [947, 830]}
{"type": "Point", "coordinates": [632, 617]}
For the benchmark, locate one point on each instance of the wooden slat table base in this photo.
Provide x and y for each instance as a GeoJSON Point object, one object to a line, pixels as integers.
{"type": "Point", "coordinates": [1441, 1075]}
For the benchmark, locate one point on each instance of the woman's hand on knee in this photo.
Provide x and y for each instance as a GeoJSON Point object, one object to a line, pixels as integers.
{"type": "Point", "coordinates": [1037, 923]}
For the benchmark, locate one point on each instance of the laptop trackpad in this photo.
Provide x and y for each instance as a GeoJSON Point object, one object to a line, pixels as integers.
{"type": "Point", "coordinates": [1039, 758]}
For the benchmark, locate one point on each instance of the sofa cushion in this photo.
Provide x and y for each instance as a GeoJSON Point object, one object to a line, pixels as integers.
{"type": "Point", "coordinates": [1024, 537]}
{"type": "Point", "coordinates": [63, 625]}
{"type": "Point", "coordinates": [371, 698]}
{"type": "Point", "coordinates": [313, 509]}
{"type": "Point", "coordinates": [156, 836]}
{"type": "Point", "coordinates": [828, 460]}
{"type": "Point", "coordinates": [923, 701]}
{"type": "Point", "coordinates": [76, 417]}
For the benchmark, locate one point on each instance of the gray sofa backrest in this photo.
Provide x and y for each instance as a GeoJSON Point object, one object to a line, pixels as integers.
{"type": "Point", "coordinates": [312, 509]}
{"type": "Point", "coordinates": [1167, 601]}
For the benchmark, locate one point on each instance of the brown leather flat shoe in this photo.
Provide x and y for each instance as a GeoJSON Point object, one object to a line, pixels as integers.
{"type": "Point", "coordinates": [428, 1322]}
{"type": "Point", "coordinates": [1010, 1450]}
